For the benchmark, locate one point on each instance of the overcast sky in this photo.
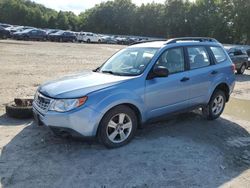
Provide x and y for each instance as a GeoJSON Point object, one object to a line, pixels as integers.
{"type": "Point", "coordinates": [78, 6]}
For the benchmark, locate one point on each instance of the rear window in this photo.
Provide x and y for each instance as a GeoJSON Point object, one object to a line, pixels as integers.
{"type": "Point", "coordinates": [219, 54]}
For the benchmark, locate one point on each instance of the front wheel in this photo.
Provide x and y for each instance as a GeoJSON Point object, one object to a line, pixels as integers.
{"type": "Point", "coordinates": [215, 106]}
{"type": "Point", "coordinates": [117, 127]}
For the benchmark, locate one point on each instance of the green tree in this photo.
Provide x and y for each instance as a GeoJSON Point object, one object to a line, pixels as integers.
{"type": "Point", "coordinates": [62, 21]}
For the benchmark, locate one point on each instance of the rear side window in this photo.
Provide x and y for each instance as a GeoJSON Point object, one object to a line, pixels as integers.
{"type": "Point", "coordinates": [198, 57]}
{"type": "Point", "coordinates": [218, 54]}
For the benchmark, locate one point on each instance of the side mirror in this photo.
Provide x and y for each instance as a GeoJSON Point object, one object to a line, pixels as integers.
{"type": "Point", "coordinates": [160, 71]}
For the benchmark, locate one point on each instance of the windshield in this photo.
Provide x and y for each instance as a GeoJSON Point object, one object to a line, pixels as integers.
{"type": "Point", "coordinates": [26, 30]}
{"type": "Point", "coordinates": [59, 32]}
{"type": "Point", "coordinates": [129, 61]}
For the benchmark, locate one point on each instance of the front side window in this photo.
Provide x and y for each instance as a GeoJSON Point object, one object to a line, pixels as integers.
{"type": "Point", "coordinates": [173, 60]}
{"type": "Point", "coordinates": [218, 54]}
{"type": "Point", "coordinates": [198, 57]}
{"type": "Point", "coordinates": [129, 61]}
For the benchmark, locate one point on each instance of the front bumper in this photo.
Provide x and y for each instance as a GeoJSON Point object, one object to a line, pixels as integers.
{"type": "Point", "coordinates": [84, 120]}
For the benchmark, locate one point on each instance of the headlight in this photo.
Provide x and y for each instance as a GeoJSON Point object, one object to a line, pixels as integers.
{"type": "Point", "coordinates": [64, 105]}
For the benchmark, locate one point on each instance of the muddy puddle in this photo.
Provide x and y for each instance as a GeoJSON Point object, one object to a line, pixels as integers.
{"type": "Point", "coordinates": [238, 108]}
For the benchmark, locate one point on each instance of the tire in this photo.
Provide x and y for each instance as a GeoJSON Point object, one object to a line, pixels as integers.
{"type": "Point", "coordinates": [242, 69]}
{"type": "Point", "coordinates": [110, 134]}
{"type": "Point", "coordinates": [214, 109]}
{"type": "Point", "coordinates": [88, 41]}
{"type": "Point", "coordinates": [5, 36]}
{"type": "Point", "coordinates": [26, 38]}
{"type": "Point", "coordinates": [99, 41]}
{"type": "Point", "coordinates": [18, 112]}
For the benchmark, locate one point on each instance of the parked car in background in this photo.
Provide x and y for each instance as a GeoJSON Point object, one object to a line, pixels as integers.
{"type": "Point", "coordinates": [14, 29]}
{"type": "Point", "coordinates": [136, 85]}
{"type": "Point", "coordinates": [121, 40]}
{"type": "Point", "coordinates": [62, 36]}
{"type": "Point", "coordinates": [108, 40]}
{"type": "Point", "coordinates": [4, 34]}
{"type": "Point", "coordinates": [50, 31]}
{"type": "Point", "coordinates": [80, 37]}
{"type": "Point", "coordinates": [5, 25]}
{"type": "Point", "coordinates": [248, 53]}
{"type": "Point", "coordinates": [239, 57]}
{"type": "Point", "coordinates": [89, 37]}
{"type": "Point", "coordinates": [126, 40]}
{"type": "Point", "coordinates": [30, 34]}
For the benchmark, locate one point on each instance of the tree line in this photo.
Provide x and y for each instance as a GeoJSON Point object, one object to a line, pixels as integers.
{"type": "Point", "coordinates": [225, 20]}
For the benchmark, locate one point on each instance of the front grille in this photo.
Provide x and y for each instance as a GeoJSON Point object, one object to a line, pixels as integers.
{"type": "Point", "coordinates": [42, 102]}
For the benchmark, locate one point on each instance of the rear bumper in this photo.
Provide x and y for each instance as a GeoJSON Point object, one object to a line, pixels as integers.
{"type": "Point", "coordinates": [84, 120]}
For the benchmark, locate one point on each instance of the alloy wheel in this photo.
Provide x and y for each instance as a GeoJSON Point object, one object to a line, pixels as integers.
{"type": "Point", "coordinates": [243, 68]}
{"type": "Point", "coordinates": [218, 105]}
{"type": "Point", "coordinates": [119, 128]}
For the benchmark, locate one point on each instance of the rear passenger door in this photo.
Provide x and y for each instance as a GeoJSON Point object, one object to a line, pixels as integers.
{"type": "Point", "coordinates": [200, 74]}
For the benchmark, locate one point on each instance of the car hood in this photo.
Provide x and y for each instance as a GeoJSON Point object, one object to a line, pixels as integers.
{"type": "Point", "coordinates": [79, 85]}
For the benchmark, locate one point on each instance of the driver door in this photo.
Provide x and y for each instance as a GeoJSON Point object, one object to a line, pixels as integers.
{"type": "Point", "coordinates": [168, 94]}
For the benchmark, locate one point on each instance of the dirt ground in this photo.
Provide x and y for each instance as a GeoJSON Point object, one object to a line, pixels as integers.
{"type": "Point", "coordinates": [183, 151]}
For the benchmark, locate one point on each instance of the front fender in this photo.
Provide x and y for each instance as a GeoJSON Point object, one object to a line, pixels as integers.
{"type": "Point", "coordinates": [113, 98]}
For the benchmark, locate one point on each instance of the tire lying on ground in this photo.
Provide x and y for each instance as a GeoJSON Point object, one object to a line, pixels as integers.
{"type": "Point", "coordinates": [19, 109]}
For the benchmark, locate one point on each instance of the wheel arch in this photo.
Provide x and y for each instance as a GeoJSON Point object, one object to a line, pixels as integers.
{"type": "Point", "coordinates": [223, 87]}
{"type": "Point", "coordinates": [131, 106]}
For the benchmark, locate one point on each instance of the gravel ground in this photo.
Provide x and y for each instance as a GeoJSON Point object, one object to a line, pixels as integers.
{"type": "Point", "coordinates": [182, 151]}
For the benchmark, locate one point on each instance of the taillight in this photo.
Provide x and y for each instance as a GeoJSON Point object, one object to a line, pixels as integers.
{"type": "Point", "coordinates": [233, 67]}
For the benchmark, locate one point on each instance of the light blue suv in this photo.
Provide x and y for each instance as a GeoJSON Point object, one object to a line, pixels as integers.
{"type": "Point", "coordinates": [140, 83]}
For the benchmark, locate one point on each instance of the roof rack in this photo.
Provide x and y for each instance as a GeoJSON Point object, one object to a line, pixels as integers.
{"type": "Point", "coordinates": [199, 39]}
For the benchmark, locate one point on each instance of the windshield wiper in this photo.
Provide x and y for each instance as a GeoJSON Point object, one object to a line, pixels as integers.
{"type": "Point", "coordinates": [110, 72]}
{"type": "Point", "coordinates": [96, 70]}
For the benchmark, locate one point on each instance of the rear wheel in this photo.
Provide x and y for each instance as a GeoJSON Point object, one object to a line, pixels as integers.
{"type": "Point", "coordinates": [117, 127]}
{"type": "Point", "coordinates": [4, 36]}
{"type": "Point", "coordinates": [242, 69]}
{"type": "Point", "coordinates": [215, 106]}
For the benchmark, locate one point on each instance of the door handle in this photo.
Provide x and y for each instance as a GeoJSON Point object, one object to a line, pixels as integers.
{"type": "Point", "coordinates": [214, 72]}
{"type": "Point", "coordinates": [184, 79]}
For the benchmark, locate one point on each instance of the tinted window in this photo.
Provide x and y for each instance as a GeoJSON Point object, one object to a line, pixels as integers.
{"type": "Point", "coordinates": [68, 34]}
{"type": "Point", "coordinates": [33, 31]}
{"type": "Point", "coordinates": [173, 60]}
{"type": "Point", "coordinates": [198, 60]}
{"type": "Point", "coordinates": [238, 52]}
{"type": "Point", "coordinates": [218, 54]}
